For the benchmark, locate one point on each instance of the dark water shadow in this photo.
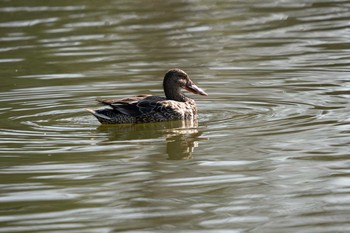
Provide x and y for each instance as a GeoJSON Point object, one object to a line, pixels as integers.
{"type": "Point", "coordinates": [181, 137]}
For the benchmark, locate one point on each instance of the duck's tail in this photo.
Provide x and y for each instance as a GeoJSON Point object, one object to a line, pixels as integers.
{"type": "Point", "coordinates": [101, 115]}
{"type": "Point", "coordinates": [110, 116]}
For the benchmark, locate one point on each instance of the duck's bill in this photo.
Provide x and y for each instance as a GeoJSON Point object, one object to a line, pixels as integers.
{"type": "Point", "coordinates": [196, 90]}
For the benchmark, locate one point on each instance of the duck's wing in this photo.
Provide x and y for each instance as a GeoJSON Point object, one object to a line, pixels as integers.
{"type": "Point", "coordinates": [135, 106]}
{"type": "Point", "coordinates": [124, 100]}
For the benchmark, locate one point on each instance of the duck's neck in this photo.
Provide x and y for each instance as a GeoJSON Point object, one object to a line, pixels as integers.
{"type": "Point", "coordinates": [175, 94]}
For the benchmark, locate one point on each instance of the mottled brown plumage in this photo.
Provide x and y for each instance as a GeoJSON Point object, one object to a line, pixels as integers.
{"type": "Point", "coordinates": [148, 108]}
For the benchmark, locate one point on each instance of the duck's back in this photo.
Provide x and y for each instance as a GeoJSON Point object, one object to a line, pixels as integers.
{"type": "Point", "coordinates": [144, 108]}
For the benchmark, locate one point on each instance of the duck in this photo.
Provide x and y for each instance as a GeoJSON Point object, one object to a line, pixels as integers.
{"type": "Point", "coordinates": [147, 108]}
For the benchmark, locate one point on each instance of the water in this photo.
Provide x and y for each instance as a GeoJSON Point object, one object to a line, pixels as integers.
{"type": "Point", "coordinates": [270, 152]}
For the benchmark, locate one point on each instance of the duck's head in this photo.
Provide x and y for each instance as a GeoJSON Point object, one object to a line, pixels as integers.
{"type": "Point", "coordinates": [175, 80]}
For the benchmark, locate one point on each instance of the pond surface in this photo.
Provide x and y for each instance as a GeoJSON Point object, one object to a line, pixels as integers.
{"type": "Point", "coordinates": [269, 153]}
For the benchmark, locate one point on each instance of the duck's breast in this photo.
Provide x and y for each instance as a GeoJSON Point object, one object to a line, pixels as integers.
{"type": "Point", "coordinates": [180, 110]}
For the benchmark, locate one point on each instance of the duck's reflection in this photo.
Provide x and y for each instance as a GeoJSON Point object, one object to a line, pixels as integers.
{"type": "Point", "coordinates": [180, 147]}
{"type": "Point", "coordinates": [181, 136]}
{"type": "Point", "coordinates": [182, 139]}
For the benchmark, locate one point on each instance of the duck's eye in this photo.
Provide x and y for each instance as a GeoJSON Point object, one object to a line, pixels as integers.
{"type": "Point", "coordinates": [181, 82]}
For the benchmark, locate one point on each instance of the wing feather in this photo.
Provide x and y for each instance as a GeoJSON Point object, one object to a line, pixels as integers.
{"type": "Point", "coordinates": [134, 106]}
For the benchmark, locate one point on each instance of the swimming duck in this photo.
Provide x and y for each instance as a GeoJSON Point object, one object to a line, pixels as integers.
{"type": "Point", "coordinates": [148, 108]}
